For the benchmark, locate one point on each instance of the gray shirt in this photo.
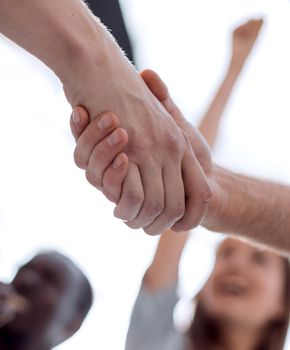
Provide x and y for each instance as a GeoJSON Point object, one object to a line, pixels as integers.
{"type": "Point", "coordinates": [151, 326]}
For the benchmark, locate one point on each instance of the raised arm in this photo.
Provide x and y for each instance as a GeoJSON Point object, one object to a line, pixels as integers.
{"type": "Point", "coordinates": [243, 40]}
{"type": "Point", "coordinates": [163, 271]}
{"type": "Point", "coordinates": [159, 189]}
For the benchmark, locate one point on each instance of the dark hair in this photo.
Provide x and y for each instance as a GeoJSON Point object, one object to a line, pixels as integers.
{"type": "Point", "coordinates": [205, 332]}
{"type": "Point", "coordinates": [85, 299]}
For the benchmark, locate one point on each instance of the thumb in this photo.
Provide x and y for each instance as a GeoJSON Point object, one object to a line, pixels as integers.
{"type": "Point", "coordinates": [159, 89]}
{"type": "Point", "coordinates": [79, 121]}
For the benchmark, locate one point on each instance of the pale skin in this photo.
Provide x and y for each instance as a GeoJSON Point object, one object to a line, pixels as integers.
{"type": "Point", "coordinates": [163, 271]}
{"type": "Point", "coordinates": [243, 40]}
{"type": "Point", "coordinates": [245, 291]}
{"type": "Point", "coordinates": [237, 263]}
{"type": "Point", "coordinates": [159, 190]}
{"type": "Point", "coordinates": [254, 208]}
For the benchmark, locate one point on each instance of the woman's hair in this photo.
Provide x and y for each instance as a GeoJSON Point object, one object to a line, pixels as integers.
{"type": "Point", "coordinates": [205, 332]}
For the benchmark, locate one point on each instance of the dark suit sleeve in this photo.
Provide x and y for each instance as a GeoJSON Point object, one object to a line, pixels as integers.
{"type": "Point", "coordinates": [110, 13]}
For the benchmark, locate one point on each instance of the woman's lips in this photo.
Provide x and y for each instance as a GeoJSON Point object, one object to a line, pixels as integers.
{"type": "Point", "coordinates": [233, 286]}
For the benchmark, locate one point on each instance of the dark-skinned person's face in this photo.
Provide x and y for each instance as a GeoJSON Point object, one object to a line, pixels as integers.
{"type": "Point", "coordinates": [50, 284]}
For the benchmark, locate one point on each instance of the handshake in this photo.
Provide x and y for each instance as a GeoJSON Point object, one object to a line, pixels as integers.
{"type": "Point", "coordinates": [160, 176]}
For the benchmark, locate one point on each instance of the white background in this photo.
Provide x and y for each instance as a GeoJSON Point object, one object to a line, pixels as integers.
{"type": "Point", "coordinates": [46, 201]}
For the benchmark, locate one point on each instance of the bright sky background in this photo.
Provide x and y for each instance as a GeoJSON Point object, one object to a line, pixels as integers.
{"type": "Point", "coordinates": [46, 201]}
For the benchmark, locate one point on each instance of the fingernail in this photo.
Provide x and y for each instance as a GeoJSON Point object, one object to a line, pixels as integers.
{"type": "Point", "coordinates": [76, 116]}
{"type": "Point", "coordinates": [114, 138]}
{"type": "Point", "coordinates": [118, 162]}
{"type": "Point", "coordinates": [105, 122]}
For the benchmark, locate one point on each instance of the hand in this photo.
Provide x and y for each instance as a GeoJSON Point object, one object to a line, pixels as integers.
{"type": "Point", "coordinates": [159, 189]}
{"type": "Point", "coordinates": [107, 160]}
{"type": "Point", "coordinates": [105, 153]}
{"type": "Point", "coordinates": [198, 143]}
{"type": "Point", "coordinates": [244, 38]}
{"type": "Point", "coordinates": [7, 308]}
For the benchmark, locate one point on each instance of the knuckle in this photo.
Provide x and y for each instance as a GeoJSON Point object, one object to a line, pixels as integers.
{"type": "Point", "coordinates": [153, 208]}
{"type": "Point", "coordinates": [187, 224]}
{"type": "Point", "coordinates": [151, 231]}
{"type": "Point", "coordinates": [93, 179]}
{"type": "Point", "coordinates": [110, 196]}
{"type": "Point", "coordinates": [179, 227]}
{"type": "Point", "coordinates": [110, 184]}
{"type": "Point", "coordinates": [133, 225]}
{"type": "Point", "coordinates": [175, 212]}
{"type": "Point", "coordinates": [134, 198]}
{"type": "Point", "coordinates": [206, 193]}
{"type": "Point", "coordinates": [78, 160]}
{"type": "Point", "coordinates": [172, 144]}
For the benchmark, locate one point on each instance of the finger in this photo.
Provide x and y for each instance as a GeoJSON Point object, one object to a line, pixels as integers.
{"type": "Point", "coordinates": [259, 23]}
{"type": "Point", "coordinates": [99, 128]}
{"type": "Point", "coordinates": [103, 155]}
{"type": "Point", "coordinates": [153, 204]}
{"type": "Point", "coordinates": [174, 202]}
{"type": "Point", "coordinates": [159, 89]}
{"type": "Point", "coordinates": [114, 176]}
{"type": "Point", "coordinates": [79, 120]}
{"type": "Point", "coordinates": [132, 196]}
{"type": "Point", "coordinates": [197, 194]}
{"type": "Point", "coordinates": [155, 84]}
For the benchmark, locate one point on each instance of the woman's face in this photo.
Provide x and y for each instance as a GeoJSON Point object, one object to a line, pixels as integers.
{"type": "Point", "coordinates": [246, 286]}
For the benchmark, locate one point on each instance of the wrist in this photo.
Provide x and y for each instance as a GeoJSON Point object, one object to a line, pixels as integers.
{"type": "Point", "coordinates": [86, 49]}
{"type": "Point", "coordinates": [236, 65]}
{"type": "Point", "coordinates": [219, 204]}
{"type": "Point", "coordinates": [96, 66]}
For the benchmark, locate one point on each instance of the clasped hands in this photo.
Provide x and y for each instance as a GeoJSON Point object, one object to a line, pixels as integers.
{"type": "Point", "coordinates": [173, 188]}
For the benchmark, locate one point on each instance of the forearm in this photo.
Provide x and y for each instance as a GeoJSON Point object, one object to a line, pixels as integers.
{"type": "Point", "coordinates": [61, 33]}
{"type": "Point", "coordinates": [163, 271]}
{"type": "Point", "coordinates": [252, 208]}
{"type": "Point", "coordinates": [210, 122]}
